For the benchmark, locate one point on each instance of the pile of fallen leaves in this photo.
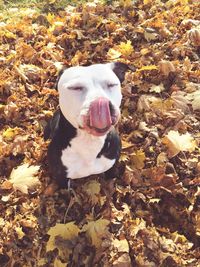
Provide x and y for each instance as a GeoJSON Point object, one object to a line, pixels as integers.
{"type": "Point", "coordinates": [149, 217]}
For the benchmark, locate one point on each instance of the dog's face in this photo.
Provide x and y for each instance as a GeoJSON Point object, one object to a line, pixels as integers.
{"type": "Point", "coordinates": [90, 97]}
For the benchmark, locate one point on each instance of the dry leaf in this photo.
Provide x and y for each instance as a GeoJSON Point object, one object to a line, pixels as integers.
{"type": "Point", "coordinates": [194, 36]}
{"type": "Point", "coordinates": [121, 245]}
{"type": "Point", "coordinates": [10, 133]}
{"type": "Point", "coordinates": [195, 99]}
{"type": "Point", "coordinates": [179, 142]}
{"type": "Point", "coordinates": [126, 49]}
{"type": "Point", "coordinates": [147, 68]}
{"type": "Point", "coordinates": [137, 159]}
{"type": "Point", "coordinates": [157, 88]}
{"type": "Point", "coordinates": [66, 231]}
{"type": "Point", "coordinates": [19, 232]}
{"type": "Point", "coordinates": [96, 230]}
{"type": "Point", "coordinates": [166, 67]}
{"type": "Point", "coordinates": [58, 263]}
{"type": "Point", "coordinates": [123, 261]}
{"type": "Point", "coordinates": [24, 177]}
{"type": "Point", "coordinates": [92, 189]}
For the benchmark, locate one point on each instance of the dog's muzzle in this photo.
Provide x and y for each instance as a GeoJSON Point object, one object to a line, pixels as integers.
{"type": "Point", "coordinates": [101, 116]}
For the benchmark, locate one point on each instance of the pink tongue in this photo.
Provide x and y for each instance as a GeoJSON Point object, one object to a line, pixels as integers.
{"type": "Point", "coordinates": [100, 117]}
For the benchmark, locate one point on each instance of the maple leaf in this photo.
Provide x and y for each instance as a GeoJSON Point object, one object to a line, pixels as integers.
{"type": "Point", "coordinates": [126, 48]}
{"type": "Point", "coordinates": [180, 101]}
{"type": "Point", "coordinates": [92, 188]}
{"type": "Point", "coordinates": [195, 99]}
{"type": "Point", "coordinates": [126, 144]}
{"type": "Point", "coordinates": [166, 67]}
{"type": "Point", "coordinates": [179, 142]}
{"type": "Point", "coordinates": [147, 68]}
{"type": "Point", "coordinates": [138, 158]}
{"type": "Point", "coordinates": [66, 231]}
{"type": "Point", "coordinates": [121, 245]}
{"type": "Point", "coordinates": [24, 177]}
{"type": "Point", "coordinates": [10, 133]}
{"type": "Point", "coordinates": [19, 232]}
{"type": "Point", "coordinates": [59, 263]}
{"type": "Point", "coordinates": [113, 54]}
{"type": "Point", "coordinates": [157, 88]}
{"type": "Point", "coordinates": [96, 230]}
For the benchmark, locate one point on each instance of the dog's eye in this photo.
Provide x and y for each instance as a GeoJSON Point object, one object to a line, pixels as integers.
{"type": "Point", "coordinates": [111, 85]}
{"type": "Point", "coordinates": [75, 88]}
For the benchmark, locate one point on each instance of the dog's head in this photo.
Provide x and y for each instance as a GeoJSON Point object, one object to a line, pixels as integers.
{"type": "Point", "coordinates": [90, 96]}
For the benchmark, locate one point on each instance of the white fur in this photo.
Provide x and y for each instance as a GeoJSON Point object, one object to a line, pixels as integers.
{"type": "Point", "coordinates": [81, 157]}
{"type": "Point", "coordinates": [94, 80]}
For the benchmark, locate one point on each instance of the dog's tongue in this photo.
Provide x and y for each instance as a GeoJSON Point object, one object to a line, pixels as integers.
{"type": "Point", "coordinates": [100, 117]}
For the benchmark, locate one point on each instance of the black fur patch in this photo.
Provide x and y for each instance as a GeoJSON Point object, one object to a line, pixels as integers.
{"type": "Point", "coordinates": [112, 146]}
{"type": "Point", "coordinates": [120, 70]}
{"type": "Point", "coordinates": [62, 134]}
{"type": "Point", "coordinates": [58, 78]}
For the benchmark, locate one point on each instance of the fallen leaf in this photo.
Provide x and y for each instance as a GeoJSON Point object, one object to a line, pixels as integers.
{"type": "Point", "coordinates": [24, 177]}
{"type": "Point", "coordinates": [123, 261]}
{"type": "Point", "coordinates": [195, 99]}
{"type": "Point", "coordinates": [92, 189]}
{"type": "Point", "coordinates": [177, 142]}
{"type": "Point", "coordinates": [157, 88]}
{"type": "Point", "coordinates": [19, 232]}
{"type": "Point", "coordinates": [66, 231]}
{"type": "Point", "coordinates": [126, 49]}
{"type": "Point", "coordinates": [59, 263]}
{"type": "Point", "coordinates": [96, 230]}
{"type": "Point", "coordinates": [166, 67]}
{"type": "Point", "coordinates": [147, 68]}
{"type": "Point", "coordinates": [137, 159]}
{"type": "Point", "coordinates": [10, 133]}
{"type": "Point", "coordinates": [121, 245]}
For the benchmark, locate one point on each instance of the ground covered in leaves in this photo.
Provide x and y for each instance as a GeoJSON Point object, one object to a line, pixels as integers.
{"type": "Point", "coordinates": [148, 217]}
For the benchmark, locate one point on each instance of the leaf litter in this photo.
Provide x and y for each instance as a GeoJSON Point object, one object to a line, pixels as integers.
{"type": "Point", "coordinates": [149, 216]}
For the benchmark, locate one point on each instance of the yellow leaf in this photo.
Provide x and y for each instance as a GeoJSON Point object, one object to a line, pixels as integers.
{"type": "Point", "coordinates": [138, 158]}
{"type": "Point", "coordinates": [58, 263]}
{"type": "Point", "coordinates": [121, 245]}
{"type": "Point", "coordinates": [126, 49]}
{"type": "Point", "coordinates": [124, 157]}
{"type": "Point", "coordinates": [146, 2]}
{"type": "Point", "coordinates": [157, 88]}
{"type": "Point", "coordinates": [179, 142]}
{"type": "Point", "coordinates": [51, 18]}
{"type": "Point", "coordinates": [145, 68]}
{"type": "Point", "coordinates": [96, 230]}
{"type": "Point", "coordinates": [42, 261]}
{"type": "Point", "coordinates": [126, 144]}
{"type": "Point", "coordinates": [10, 133]}
{"type": "Point", "coordinates": [195, 99]}
{"type": "Point", "coordinates": [92, 188]}
{"type": "Point", "coordinates": [24, 177]}
{"type": "Point", "coordinates": [113, 54]}
{"type": "Point", "coordinates": [19, 232]}
{"type": "Point", "coordinates": [66, 231]}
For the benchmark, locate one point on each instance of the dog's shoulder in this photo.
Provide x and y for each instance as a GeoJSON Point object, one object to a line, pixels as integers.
{"type": "Point", "coordinates": [59, 129]}
{"type": "Point", "coordinates": [112, 146]}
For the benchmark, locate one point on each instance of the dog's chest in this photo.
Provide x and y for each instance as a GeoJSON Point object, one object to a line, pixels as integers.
{"type": "Point", "coordinates": [80, 157]}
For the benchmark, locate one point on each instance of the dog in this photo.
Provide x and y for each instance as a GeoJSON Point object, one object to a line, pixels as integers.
{"type": "Point", "coordinates": [84, 140]}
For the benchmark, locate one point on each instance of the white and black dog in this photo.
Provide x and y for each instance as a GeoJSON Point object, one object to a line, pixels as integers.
{"type": "Point", "coordinates": [84, 140]}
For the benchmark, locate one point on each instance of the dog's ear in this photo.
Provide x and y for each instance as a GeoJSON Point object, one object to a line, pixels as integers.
{"type": "Point", "coordinates": [58, 78]}
{"type": "Point", "coordinates": [120, 69]}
